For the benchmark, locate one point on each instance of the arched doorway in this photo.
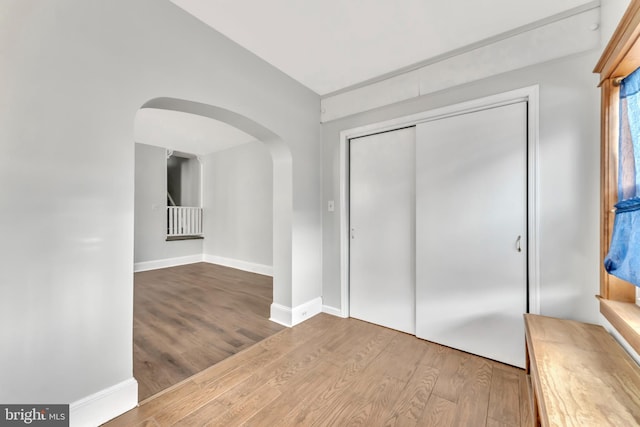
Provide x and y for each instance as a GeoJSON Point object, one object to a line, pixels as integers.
{"type": "Point", "coordinates": [281, 179]}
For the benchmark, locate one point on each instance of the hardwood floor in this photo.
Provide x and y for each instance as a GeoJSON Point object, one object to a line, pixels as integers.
{"type": "Point", "coordinates": [190, 317]}
{"type": "Point", "coordinates": [333, 371]}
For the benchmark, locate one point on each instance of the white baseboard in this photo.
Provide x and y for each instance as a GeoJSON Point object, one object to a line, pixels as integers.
{"type": "Point", "coordinates": [307, 310]}
{"type": "Point", "coordinates": [251, 267]}
{"type": "Point", "coordinates": [164, 263]}
{"type": "Point", "coordinates": [281, 314]}
{"type": "Point", "coordinates": [104, 405]}
{"type": "Point", "coordinates": [292, 316]}
{"type": "Point", "coordinates": [333, 311]}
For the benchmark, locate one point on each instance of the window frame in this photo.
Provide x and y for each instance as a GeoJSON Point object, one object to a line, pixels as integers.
{"type": "Point", "coordinates": [620, 58]}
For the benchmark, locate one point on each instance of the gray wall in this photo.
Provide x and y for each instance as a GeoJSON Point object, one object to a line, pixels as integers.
{"type": "Point", "coordinates": [238, 203]}
{"type": "Point", "coordinates": [174, 178]}
{"type": "Point", "coordinates": [150, 209]}
{"type": "Point", "coordinates": [191, 180]}
{"type": "Point", "coordinates": [74, 74]}
{"type": "Point", "coordinates": [183, 180]}
{"type": "Point", "coordinates": [568, 178]}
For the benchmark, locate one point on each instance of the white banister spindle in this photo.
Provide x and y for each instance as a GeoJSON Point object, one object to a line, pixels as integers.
{"type": "Point", "coordinates": [184, 221]}
{"type": "Point", "coordinates": [172, 214]}
{"type": "Point", "coordinates": [175, 221]}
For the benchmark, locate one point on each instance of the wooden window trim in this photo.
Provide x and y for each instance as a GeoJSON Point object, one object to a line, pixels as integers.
{"type": "Point", "coordinates": [620, 58]}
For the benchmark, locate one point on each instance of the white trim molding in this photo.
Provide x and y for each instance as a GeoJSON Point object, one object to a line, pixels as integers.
{"type": "Point", "coordinates": [528, 94]}
{"type": "Point", "coordinates": [251, 267]}
{"type": "Point", "coordinates": [292, 316]}
{"type": "Point", "coordinates": [281, 314]}
{"type": "Point", "coordinates": [570, 32]}
{"type": "Point", "coordinates": [164, 263]}
{"type": "Point", "coordinates": [618, 337]}
{"type": "Point", "coordinates": [104, 405]}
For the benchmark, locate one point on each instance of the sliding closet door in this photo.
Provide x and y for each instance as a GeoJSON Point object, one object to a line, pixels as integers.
{"type": "Point", "coordinates": [382, 221]}
{"type": "Point", "coordinates": [471, 242]}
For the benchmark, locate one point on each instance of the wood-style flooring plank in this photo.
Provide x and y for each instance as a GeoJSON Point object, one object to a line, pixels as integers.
{"type": "Point", "coordinates": [218, 415]}
{"type": "Point", "coordinates": [494, 423]}
{"type": "Point", "coordinates": [307, 387]}
{"type": "Point", "coordinates": [439, 412]}
{"type": "Point", "coordinates": [413, 399]}
{"type": "Point", "coordinates": [248, 371]}
{"type": "Point", "coordinates": [383, 381]}
{"type": "Point", "coordinates": [333, 371]}
{"type": "Point", "coordinates": [330, 397]}
{"type": "Point", "coordinates": [190, 317]}
{"type": "Point", "coordinates": [505, 387]}
{"type": "Point", "coordinates": [451, 378]}
{"type": "Point", "coordinates": [526, 417]}
{"type": "Point", "coordinates": [473, 401]}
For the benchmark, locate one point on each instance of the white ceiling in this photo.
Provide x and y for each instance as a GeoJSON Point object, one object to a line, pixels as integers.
{"type": "Point", "coordinates": [328, 45]}
{"type": "Point", "coordinates": [185, 132]}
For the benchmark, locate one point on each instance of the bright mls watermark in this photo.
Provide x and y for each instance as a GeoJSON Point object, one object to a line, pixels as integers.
{"type": "Point", "coordinates": [34, 415]}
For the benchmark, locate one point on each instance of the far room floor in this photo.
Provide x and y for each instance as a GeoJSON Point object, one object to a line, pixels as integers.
{"type": "Point", "coordinates": [190, 317]}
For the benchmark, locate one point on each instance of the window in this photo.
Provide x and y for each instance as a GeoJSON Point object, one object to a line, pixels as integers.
{"type": "Point", "coordinates": [620, 58]}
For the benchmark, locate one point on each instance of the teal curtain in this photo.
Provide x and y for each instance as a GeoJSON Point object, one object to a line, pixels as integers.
{"type": "Point", "coordinates": [623, 259]}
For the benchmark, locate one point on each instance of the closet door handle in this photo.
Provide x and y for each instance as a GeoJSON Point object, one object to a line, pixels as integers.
{"type": "Point", "coordinates": [519, 244]}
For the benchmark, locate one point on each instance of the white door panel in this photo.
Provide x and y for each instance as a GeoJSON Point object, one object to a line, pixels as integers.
{"type": "Point", "coordinates": [382, 221]}
{"type": "Point", "coordinates": [471, 218]}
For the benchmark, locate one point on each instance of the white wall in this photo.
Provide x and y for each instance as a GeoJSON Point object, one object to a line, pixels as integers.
{"type": "Point", "coordinates": [74, 74]}
{"type": "Point", "coordinates": [568, 162]}
{"type": "Point", "coordinates": [567, 33]}
{"type": "Point", "coordinates": [238, 204]}
{"type": "Point", "coordinates": [150, 229]}
{"type": "Point", "coordinates": [611, 12]}
{"type": "Point", "coordinates": [568, 178]}
{"type": "Point", "coordinates": [191, 181]}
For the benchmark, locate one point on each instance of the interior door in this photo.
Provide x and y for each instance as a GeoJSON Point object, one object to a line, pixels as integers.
{"type": "Point", "coordinates": [382, 221]}
{"type": "Point", "coordinates": [471, 243]}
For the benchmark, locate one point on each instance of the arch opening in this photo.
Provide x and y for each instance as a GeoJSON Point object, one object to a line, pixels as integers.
{"type": "Point", "coordinates": [282, 187]}
{"type": "Point", "coordinates": [282, 181]}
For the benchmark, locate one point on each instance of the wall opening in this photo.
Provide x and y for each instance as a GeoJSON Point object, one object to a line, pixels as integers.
{"type": "Point", "coordinates": [178, 191]}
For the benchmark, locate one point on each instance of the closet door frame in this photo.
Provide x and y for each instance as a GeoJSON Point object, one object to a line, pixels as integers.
{"type": "Point", "coordinates": [527, 94]}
